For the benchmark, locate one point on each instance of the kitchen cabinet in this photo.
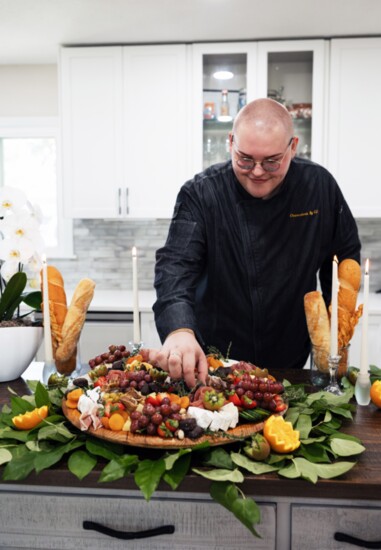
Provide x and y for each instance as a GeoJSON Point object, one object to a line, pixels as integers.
{"type": "Point", "coordinates": [124, 110]}
{"type": "Point", "coordinates": [212, 121]}
{"type": "Point", "coordinates": [292, 72]}
{"type": "Point", "coordinates": [354, 122]}
{"type": "Point", "coordinates": [38, 520]}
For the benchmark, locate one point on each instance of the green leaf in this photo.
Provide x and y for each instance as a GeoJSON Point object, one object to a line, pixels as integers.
{"type": "Point", "coordinates": [19, 467]}
{"type": "Point", "coordinates": [81, 463]}
{"type": "Point", "coordinates": [329, 471]}
{"type": "Point", "coordinates": [102, 448]}
{"type": "Point", "coordinates": [8, 433]}
{"type": "Point", "coordinates": [33, 299]}
{"type": "Point", "coordinates": [41, 395]}
{"type": "Point", "coordinates": [148, 475]}
{"type": "Point", "coordinates": [5, 456]}
{"type": "Point", "coordinates": [55, 432]}
{"type": "Point", "coordinates": [20, 405]}
{"type": "Point", "coordinates": [300, 467]}
{"type": "Point", "coordinates": [344, 447]}
{"type": "Point", "coordinates": [245, 510]}
{"type": "Point", "coordinates": [44, 460]}
{"type": "Point", "coordinates": [221, 475]}
{"type": "Point", "coordinates": [218, 458]}
{"type": "Point", "coordinates": [178, 471]}
{"type": "Point", "coordinates": [11, 296]}
{"type": "Point", "coordinates": [304, 425]}
{"type": "Point", "coordinates": [248, 512]}
{"type": "Point", "coordinates": [173, 457]}
{"type": "Point", "coordinates": [314, 452]}
{"type": "Point", "coordinates": [252, 466]}
{"type": "Point", "coordinates": [118, 468]}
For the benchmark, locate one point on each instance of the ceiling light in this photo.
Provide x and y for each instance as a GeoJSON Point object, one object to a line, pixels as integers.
{"type": "Point", "coordinates": [223, 75]}
{"type": "Point", "coordinates": [224, 118]}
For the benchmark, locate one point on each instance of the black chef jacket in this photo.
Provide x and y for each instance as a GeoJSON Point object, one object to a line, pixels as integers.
{"type": "Point", "coordinates": [235, 268]}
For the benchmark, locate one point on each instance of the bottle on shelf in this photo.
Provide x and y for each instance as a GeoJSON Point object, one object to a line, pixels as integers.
{"type": "Point", "coordinates": [241, 99]}
{"type": "Point", "coordinates": [224, 108]}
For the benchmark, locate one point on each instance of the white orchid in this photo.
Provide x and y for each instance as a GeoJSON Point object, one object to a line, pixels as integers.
{"type": "Point", "coordinates": [11, 200]}
{"type": "Point", "coordinates": [21, 248]}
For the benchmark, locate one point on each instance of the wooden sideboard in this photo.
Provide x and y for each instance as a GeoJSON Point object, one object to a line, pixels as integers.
{"type": "Point", "coordinates": [49, 510]}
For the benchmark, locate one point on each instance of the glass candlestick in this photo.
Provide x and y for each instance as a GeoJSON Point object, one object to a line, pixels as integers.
{"type": "Point", "coordinates": [362, 389]}
{"type": "Point", "coordinates": [333, 386]}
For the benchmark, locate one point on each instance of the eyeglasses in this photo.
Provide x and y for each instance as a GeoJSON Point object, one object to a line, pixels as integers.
{"type": "Point", "coordinates": [268, 165]}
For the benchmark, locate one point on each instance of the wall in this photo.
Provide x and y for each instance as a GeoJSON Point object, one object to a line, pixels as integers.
{"type": "Point", "coordinates": [28, 90]}
{"type": "Point", "coordinates": [103, 250]}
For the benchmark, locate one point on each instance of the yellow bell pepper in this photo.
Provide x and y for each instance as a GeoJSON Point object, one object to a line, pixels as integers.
{"type": "Point", "coordinates": [30, 419]}
{"type": "Point", "coordinates": [281, 434]}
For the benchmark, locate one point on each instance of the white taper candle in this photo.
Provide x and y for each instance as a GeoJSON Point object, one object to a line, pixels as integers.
{"type": "Point", "coordinates": [135, 293]}
{"type": "Point", "coordinates": [364, 364]}
{"type": "Point", "coordinates": [47, 327]}
{"type": "Point", "coordinates": [334, 320]}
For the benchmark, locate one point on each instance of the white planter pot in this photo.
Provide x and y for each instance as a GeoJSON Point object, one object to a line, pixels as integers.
{"type": "Point", "coordinates": [18, 347]}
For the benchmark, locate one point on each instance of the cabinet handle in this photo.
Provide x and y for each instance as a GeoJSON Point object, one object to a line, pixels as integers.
{"type": "Point", "coordinates": [120, 201]}
{"type": "Point", "coordinates": [127, 205]}
{"type": "Point", "coordinates": [342, 537]}
{"type": "Point", "coordinates": [125, 535]}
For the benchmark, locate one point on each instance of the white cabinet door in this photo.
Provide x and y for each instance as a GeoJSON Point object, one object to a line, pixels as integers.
{"type": "Point", "coordinates": [293, 72]}
{"type": "Point", "coordinates": [124, 119]}
{"type": "Point", "coordinates": [354, 122]}
{"type": "Point", "coordinates": [155, 128]}
{"type": "Point", "coordinates": [208, 145]}
{"type": "Point", "coordinates": [91, 106]}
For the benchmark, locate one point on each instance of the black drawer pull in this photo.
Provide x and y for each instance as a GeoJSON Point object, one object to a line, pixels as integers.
{"type": "Point", "coordinates": [125, 535]}
{"type": "Point", "coordinates": [342, 537]}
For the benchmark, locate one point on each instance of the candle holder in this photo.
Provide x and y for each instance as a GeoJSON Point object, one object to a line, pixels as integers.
{"type": "Point", "coordinates": [333, 386]}
{"type": "Point", "coordinates": [362, 388]}
{"type": "Point", "coordinates": [48, 369]}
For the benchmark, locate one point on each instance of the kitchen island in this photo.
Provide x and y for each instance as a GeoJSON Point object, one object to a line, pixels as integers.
{"type": "Point", "coordinates": [49, 510]}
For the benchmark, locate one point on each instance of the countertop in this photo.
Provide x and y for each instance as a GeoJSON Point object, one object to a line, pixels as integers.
{"type": "Point", "coordinates": [122, 300]}
{"type": "Point", "coordinates": [363, 482]}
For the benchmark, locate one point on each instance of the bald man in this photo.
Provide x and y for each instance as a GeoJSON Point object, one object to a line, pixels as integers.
{"type": "Point", "coordinates": [247, 241]}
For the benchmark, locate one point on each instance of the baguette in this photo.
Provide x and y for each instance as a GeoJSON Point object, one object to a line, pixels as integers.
{"type": "Point", "coordinates": [74, 320]}
{"type": "Point", "coordinates": [349, 274]}
{"type": "Point", "coordinates": [57, 304]}
{"type": "Point", "coordinates": [318, 328]}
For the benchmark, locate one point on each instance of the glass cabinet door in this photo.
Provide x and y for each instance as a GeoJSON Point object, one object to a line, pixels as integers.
{"type": "Point", "coordinates": [224, 79]}
{"type": "Point", "coordinates": [293, 74]}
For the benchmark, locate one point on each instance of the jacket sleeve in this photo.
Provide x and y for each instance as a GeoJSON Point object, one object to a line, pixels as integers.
{"type": "Point", "coordinates": [179, 267]}
{"type": "Point", "coordinates": [345, 241]}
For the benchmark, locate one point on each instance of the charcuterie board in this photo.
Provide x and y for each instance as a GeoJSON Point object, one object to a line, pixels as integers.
{"type": "Point", "coordinates": [154, 442]}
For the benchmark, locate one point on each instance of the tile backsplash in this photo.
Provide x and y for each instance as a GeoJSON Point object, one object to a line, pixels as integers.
{"type": "Point", "coordinates": [103, 251]}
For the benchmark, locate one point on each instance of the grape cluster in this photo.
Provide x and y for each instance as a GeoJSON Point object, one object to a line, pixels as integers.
{"type": "Point", "coordinates": [153, 418]}
{"type": "Point", "coordinates": [140, 380]}
{"type": "Point", "coordinates": [114, 353]}
{"type": "Point", "coordinates": [265, 393]}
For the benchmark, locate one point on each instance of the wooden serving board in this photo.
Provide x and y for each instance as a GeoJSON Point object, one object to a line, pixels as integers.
{"type": "Point", "coordinates": [155, 442]}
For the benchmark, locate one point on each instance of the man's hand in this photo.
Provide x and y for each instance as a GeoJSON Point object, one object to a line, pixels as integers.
{"type": "Point", "coordinates": [182, 357]}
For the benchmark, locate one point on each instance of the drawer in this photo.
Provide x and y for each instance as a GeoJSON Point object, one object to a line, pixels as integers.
{"type": "Point", "coordinates": [313, 527]}
{"type": "Point", "coordinates": [35, 520]}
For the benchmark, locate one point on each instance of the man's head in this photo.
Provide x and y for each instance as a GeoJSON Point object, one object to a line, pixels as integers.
{"type": "Point", "coordinates": [262, 132]}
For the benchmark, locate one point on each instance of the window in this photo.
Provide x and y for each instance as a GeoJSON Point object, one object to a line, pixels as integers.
{"type": "Point", "coordinates": [29, 160]}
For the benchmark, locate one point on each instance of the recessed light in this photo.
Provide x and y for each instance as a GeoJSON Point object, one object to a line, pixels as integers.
{"type": "Point", "coordinates": [223, 75]}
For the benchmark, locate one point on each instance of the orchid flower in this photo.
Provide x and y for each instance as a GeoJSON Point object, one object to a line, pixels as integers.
{"type": "Point", "coordinates": [11, 200]}
{"type": "Point", "coordinates": [21, 248]}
